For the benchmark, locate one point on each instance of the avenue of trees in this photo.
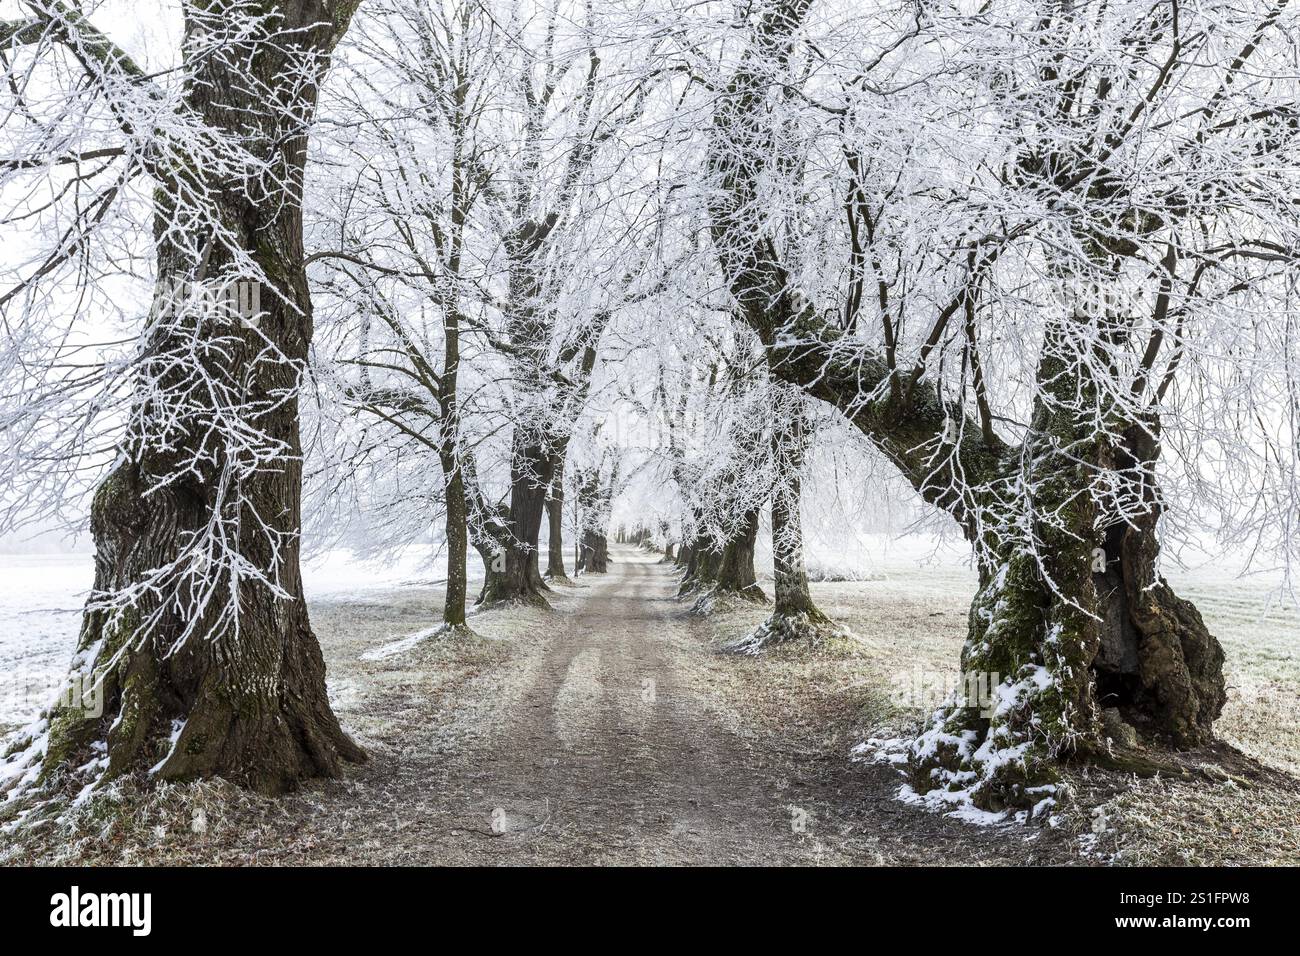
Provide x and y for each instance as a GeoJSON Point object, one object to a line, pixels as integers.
{"type": "Point", "coordinates": [471, 271]}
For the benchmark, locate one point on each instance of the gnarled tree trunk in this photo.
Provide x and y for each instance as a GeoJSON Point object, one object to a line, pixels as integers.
{"type": "Point", "coordinates": [594, 556]}
{"type": "Point", "coordinates": [735, 572]}
{"type": "Point", "coordinates": [208, 672]}
{"type": "Point", "coordinates": [520, 580]}
{"type": "Point", "coordinates": [715, 570]}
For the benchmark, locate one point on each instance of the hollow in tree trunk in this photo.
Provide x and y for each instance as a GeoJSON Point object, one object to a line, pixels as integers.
{"type": "Point", "coordinates": [1071, 622]}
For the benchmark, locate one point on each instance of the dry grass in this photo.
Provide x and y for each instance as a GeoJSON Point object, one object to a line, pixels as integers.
{"type": "Point", "coordinates": [1174, 823]}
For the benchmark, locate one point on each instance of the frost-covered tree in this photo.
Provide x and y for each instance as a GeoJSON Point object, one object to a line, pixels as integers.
{"type": "Point", "coordinates": [795, 616]}
{"type": "Point", "coordinates": [1058, 227]}
{"type": "Point", "coordinates": [196, 638]}
{"type": "Point", "coordinates": [486, 192]}
{"type": "Point", "coordinates": [596, 482]}
{"type": "Point", "coordinates": [407, 259]}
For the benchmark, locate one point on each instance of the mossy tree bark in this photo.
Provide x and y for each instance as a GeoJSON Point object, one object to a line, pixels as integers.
{"type": "Point", "coordinates": [1071, 619]}
{"type": "Point", "coordinates": [699, 558]}
{"type": "Point", "coordinates": [457, 532]}
{"type": "Point", "coordinates": [727, 569]}
{"type": "Point", "coordinates": [192, 687]}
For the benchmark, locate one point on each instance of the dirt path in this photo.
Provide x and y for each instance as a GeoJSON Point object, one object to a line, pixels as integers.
{"type": "Point", "coordinates": [611, 756]}
{"type": "Point", "coordinates": [603, 737]}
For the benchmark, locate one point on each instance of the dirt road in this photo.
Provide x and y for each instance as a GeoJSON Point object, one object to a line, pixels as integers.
{"type": "Point", "coordinates": [602, 732]}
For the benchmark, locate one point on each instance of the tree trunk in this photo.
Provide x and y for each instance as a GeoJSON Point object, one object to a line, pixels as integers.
{"type": "Point", "coordinates": [795, 617]}
{"type": "Point", "coordinates": [457, 529]}
{"type": "Point", "coordinates": [530, 476]}
{"type": "Point", "coordinates": [207, 671]}
{"type": "Point", "coordinates": [701, 559]}
{"type": "Point", "coordinates": [735, 570]}
{"type": "Point", "coordinates": [594, 558]}
{"type": "Point", "coordinates": [1073, 620]}
{"type": "Point", "coordinates": [555, 516]}
{"type": "Point", "coordinates": [594, 499]}
{"type": "Point", "coordinates": [791, 597]}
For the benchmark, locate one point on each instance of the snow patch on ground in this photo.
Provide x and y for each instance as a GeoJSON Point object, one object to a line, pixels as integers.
{"type": "Point", "coordinates": [41, 597]}
{"type": "Point", "coordinates": [401, 646]}
{"type": "Point", "coordinates": [956, 802]}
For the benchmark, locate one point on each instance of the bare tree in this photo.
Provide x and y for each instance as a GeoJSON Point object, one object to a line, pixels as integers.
{"type": "Point", "coordinates": [196, 637]}
{"type": "Point", "coordinates": [1071, 208]}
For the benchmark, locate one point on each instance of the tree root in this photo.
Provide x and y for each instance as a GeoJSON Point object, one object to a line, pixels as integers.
{"type": "Point", "coordinates": [808, 628]}
{"type": "Point", "coordinates": [715, 598]}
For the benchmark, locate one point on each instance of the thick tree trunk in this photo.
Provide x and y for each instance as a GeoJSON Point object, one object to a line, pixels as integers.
{"type": "Point", "coordinates": [208, 672]}
{"type": "Point", "coordinates": [594, 498]}
{"type": "Point", "coordinates": [530, 477]}
{"type": "Point", "coordinates": [791, 596]}
{"type": "Point", "coordinates": [1073, 620]}
{"type": "Point", "coordinates": [714, 570]}
{"type": "Point", "coordinates": [594, 557]}
{"type": "Point", "coordinates": [701, 559]}
{"type": "Point", "coordinates": [493, 557]}
{"type": "Point", "coordinates": [735, 572]}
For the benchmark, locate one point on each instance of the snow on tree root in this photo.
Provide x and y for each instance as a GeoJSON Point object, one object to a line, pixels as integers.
{"type": "Point", "coordinates": [714, 600]}
{"type": "Point", "coordinates": [800, 628]}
